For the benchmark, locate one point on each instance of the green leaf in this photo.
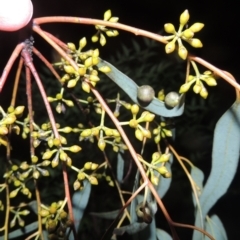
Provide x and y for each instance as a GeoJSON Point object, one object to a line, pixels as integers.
{"type": "Point", "coordinates": [106, 215]}
{"type": "Point", "coordinates": [130, 88]}
{"type": "Point", "coordinates": [225, 157]}
{"type": "Point", "coordinates": [25, 230]}
{"type": "Point", "coordinates": [120, 166]}
{"type": "Point", "coordinates": [215, 227]}
{"type": "Point", "coordinates": [162, 235]}
{"type": "Point", "coordinates": [198, 177]}
{"type": "Point", "coordinates": [131, 228]}
{"type": "Point", "coordinates": [79, 202]}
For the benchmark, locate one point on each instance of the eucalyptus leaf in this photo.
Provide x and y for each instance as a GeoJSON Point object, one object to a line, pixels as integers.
{"type": "Point", "coordinates": [134, 202]}
{"type": "Point", "coordinates": [106, 215]}
{"type": "Point", "coordinates": [131, 228]}
{"type": "Point", "coordinates": [198, 177]}
{"type": "Point", "coordinates": [79, 203]}
{"type": "Point", "coordinates": [148, 233]}
{"type": "Point", "coordinates": [120, 166]}
{"type": "Point", "coordinates": [21, 232]}
{"type": "Point", "coordinates": [215, 227]}
{"type": "Point", "coordinates": [130, 88]}
{"type": "Point", "coordinates": [162, 235]}
{"type": "Point", "coordinates": [225, 157]}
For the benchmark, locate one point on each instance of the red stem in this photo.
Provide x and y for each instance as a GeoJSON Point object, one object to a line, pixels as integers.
{"type": "Point", "coordinates": [10, 63]}
{"type": "Point", "coordinates": [30, 65]}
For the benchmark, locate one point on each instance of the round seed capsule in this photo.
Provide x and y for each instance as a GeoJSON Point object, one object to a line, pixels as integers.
{"type": "Point", "coordinates": [145, 93]}
{"type": "Point", "coordinates": [172, 99]}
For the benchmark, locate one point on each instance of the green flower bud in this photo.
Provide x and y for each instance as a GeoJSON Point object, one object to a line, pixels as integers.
{"type": "Point", "coordinates": [34, 159]}
{"type": "Point", "coordinates": [113, 19]}
{"type": "Point", "coordinates": [36, 175]}
{"type": "Point", "coordinates": [66, 129]}
{"type": "Point", "coordinates": [93, 180]}
{"type": "Point", "coordinates": [63, 140]}
{"type": "Point", "coordinates": [69, 69]}
{"type": "Point", "coordinates": [102, 39]}
{"type": "Point", "coordinates": [76, 185]}
{"type": "Point", "coordinates": [3, 130]}
{"type": "Point", "coordinates": [17, 183]}
{"type": "Point", "coordinates": [72, 83]}
{"type": "Point", "coordinates": [196, 27]}
{"type": "Point", "coordinates": [154, 180]}
{"type": "Point", "coordinates": [19, 110]}
{"type": "Point", "coordinates": [82, 71]}
{"type": "Point", "coordinates": [195, 42]}
{"type": "Point", "coordinates": [81, 176]}
{"type": "Point", "coordinates": [45, 163]}
{"type": "Point", "coordinates": [182, 52]}
{"type": "Point", "coordinates": [161, 95]}
{"type": "Point", "coordinates": [72, 46]}
{"type": "Point", "coordinates": [94, 38]}
{"type": "Point", "coordinates": [82, 43]}
{"type": "Point", "coordinates": [157, 139]}
{"type": "Point", "coordinates": [75, 148]}
{"type": "Point", "coordinates": [139, 134]}
{"type": "Point", "coordinates": [204, 93]}
{"type": "Point", "coordinates": [188, 33]}
{"type": "Point", "coordinates": [101, 144]}
{"type": "Point", "coordinates": [24, 166]}
{"type": "Point", "coordinates": [105, 69]}
{"type": "Point", "coordinates": [170, 47]}
{"type": "Point", "coordinates": [14, 193]}
{"type": "Point", "coordinates": [165, 157]}
{"type": "Point", "coordinates": [107, 15]}
{"type": "Point", "coordinates": [86, 133]}
{"type": "Point", "coordinates": [169, 28]}
{"type": "Point", "coordinates": [162, 170]}
{"type": "Point", "coordinates": [94, 166]}
{"type": "Point", "coordinates": [10, 119]}
{"type": "Point", "coordinates": [185, 87]}
{"type": "Point", "coordinates": [94, 78]}
{"type": "Point", "coordinates": [210, 81]}
{"type": "Point", "coordinates": [86, 87]}
{"type": "Point", "coordinates": [184, 17]}
{"type": "Point", "coordinates": [48, 154]}
{"type": "Point", "coordinates": [25, 191]}
{"type": "Point", "coordinates": [167, 132]}
{"type": "Point", "coordinates": [87, 165]}
{"type": "Point", "coordinates": [146, 133]}
{"type": "Point", "coordinates": [134, 109]}
{"type": "Point", "coordinates": [197, 88]}
{"type": "Point", "coordinates": [63, 156]}
{"type": "Point", "coordinates": [155, 156]}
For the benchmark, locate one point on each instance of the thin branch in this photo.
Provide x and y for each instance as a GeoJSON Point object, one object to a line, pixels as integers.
{"type": "Point", "coordinates": [89, 21]}
{"type": "Point", "coordinates": [10, 63]}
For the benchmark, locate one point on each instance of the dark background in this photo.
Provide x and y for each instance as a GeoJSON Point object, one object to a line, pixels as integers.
{"type": "Point", "coordinates": [221, 48]}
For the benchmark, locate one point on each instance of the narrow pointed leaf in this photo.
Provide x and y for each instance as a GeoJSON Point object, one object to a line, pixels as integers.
{"type": "Point", "coordinates": [225, 156]}
{"type": "Point", "coordinates": [162, 235]}
{"type": "Point", "coordinates": [120, 166]}
{"type": "Point", "coordinates": [130, 88]}
{"type": "Point", "coordinates": [198, 177]}
{"type": "Point", "coordinates": [215, 227]}
{"type": "Point", "coordinates": [131, 228]}
{"type": "Point", "coordinates": [79, 202]}
{"type": "Point", "coordinates": [106, 215]}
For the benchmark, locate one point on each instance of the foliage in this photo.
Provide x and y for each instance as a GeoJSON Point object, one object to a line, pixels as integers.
{"type": "Point", "coordinates": [98, 134]}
